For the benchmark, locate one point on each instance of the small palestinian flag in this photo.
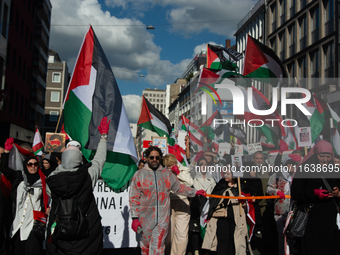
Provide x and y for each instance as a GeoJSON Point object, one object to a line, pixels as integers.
{"type": "Point", "coordinates": [37, 143]}
{"type": "Point", "coordinates": [152, 119]}
{"type": "Point", "coordinates": [222, 58]}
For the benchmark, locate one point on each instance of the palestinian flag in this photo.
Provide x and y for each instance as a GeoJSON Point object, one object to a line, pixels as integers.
{"type": "Point", "coordinates": [261, 63]}
{"type": "Point", "coordinates": [272, 132]}
{"type": "Point", "coordinates": [152, 119]}
{"type": "Point", "coordinates": [93, 94]}
{"type": "Point", "coordinates": [195, 134]}
{"type": "Point", "coordinates": [222, 58]}
{"type": "Point", "coordinates": [316, 120]}
{"type": "Point", "coordinates": [38, 145]}
{"type": "Point", "coordinates": [336, 141]}
{"type": "Point", "coordinates": [179, 153]}
{"type": "Point", "coordinates": [290, 138]}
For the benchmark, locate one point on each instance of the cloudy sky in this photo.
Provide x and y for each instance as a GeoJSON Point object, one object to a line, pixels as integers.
{"type": "Point", "coordinates": [182, 29]}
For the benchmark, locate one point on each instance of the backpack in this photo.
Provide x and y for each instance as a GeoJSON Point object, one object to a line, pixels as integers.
{"type": "Point", "coordinates": [71, 224]}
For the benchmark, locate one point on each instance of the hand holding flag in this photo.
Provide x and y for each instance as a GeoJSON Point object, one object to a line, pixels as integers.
{"type": "Point", "coordinates": [104, 126]}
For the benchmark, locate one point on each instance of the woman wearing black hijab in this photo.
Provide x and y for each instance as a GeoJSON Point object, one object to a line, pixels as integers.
{"type": "Point", "coordinates": [29, 197]}
{"type": "Point", "coordinates": [49, 164]}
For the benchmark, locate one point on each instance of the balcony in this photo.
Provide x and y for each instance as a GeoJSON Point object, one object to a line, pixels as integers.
{"type": "Point", "coordinates": [291, 49]}
{"type": "Point", "coordinates": [282, 19]}
{"type": "Point", "coordinates": [315, 35]}
{"type": "Point", "coordinates": [273, 26]}
{"type": "Point", "coordinates": [282, 55]}
{"type": "Point", "coordinates": [292, 11]}
{"type": "Point", "coordinates": [303, 43]}
{"type": "Point", "coordinates": [329, 27]}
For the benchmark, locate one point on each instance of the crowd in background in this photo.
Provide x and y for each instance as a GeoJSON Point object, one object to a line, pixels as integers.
{"type": "Point", "coordinates": [168, 202]}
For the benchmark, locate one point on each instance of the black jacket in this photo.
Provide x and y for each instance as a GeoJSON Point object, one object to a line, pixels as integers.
{"type": "Point", "coordinates": [75, 184]}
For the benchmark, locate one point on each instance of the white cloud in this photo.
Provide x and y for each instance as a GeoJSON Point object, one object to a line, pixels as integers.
{"type": "Point", "coordinates": [194, 16]}
{"type": "Point", "coordinates": [127, 45]}
{"type": "Point", "coordinates": [132, 106]}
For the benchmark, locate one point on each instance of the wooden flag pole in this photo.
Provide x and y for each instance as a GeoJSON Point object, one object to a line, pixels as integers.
{"type": "Point", "coordinates": [305, 151]}
{"type": "Point", "coordinates": [239, 192]}
{"type": "Point", "coordinates": [61, 112]}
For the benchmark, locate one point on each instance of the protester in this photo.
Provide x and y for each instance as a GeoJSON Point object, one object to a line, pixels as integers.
{"type": "Point", "coordinates": [202, 180]}
{"type": "Point", "coordinates": [279, 184]}
{"type": "Point", "coordinates": [49, 164]}
{"type": "Point", "coordinates": [28, 196]}
{"type": "Point", "coordinates": [177, 238]}
{"type": "Point", "coordinates": [141, 164]}
{"type": "Point", "coordinates": [72, 180]}
{"type": "Point", "coordinates": [252, 184]}
{"type": "Point", "coordinates": [149, 200]}
{"type": "Point", "coordinates": [226, 231]}
{"type": "Point", "coordinates": [337, 159]}
{"type": "Point", "coordinates": [310, 191]}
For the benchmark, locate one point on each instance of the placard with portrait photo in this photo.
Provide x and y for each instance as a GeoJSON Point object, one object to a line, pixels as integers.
{"type": "Point", "coordinates": [304, 136]}
{"type": "Point", "coordinates": [54, 142]}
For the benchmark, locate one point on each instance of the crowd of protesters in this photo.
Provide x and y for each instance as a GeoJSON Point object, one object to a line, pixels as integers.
{"type": "Point", "coordinates": [169, 206]}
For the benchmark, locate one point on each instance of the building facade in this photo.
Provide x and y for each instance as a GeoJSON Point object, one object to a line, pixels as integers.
{"type": "Point", "coordinates": [56, 85]}
{"type": "Point", "coordinates": [21, 97]}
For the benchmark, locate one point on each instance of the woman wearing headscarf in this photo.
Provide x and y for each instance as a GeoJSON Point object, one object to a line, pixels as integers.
{"type": "Point", "coordinates": [73, 180]}
{"type": "Point", "coordinates": [279, 184]}
{"type": "Point", "coordinates": [177, 239]}
{"type": "Point", "coordinates": [28, 196]}
{"type": "Point", "coordinates": [49, 164]}
{"type": "Point", "coordinates": [226, 231]}
{"type": "Point", "coordinates": [202, 180]}
{"type": "Point", "coordinates": [309, 190]}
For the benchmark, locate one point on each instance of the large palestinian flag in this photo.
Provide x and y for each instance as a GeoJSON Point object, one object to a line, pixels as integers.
{"type": "Point", "coordinates": [93, 94]}
{"type": "Point", "coordinates": [152, 119]}
{"type": "Point", "coordinates": [261, 63]}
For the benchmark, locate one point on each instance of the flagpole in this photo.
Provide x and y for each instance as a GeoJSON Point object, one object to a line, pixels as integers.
{"type": "Point", "coordinates": [239, 192]}
{"type": "Point", "coordinates": [61, 112]}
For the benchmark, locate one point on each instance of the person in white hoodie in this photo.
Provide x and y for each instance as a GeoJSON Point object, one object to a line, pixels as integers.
{"type": "Point", "coordinates": [177, 239]}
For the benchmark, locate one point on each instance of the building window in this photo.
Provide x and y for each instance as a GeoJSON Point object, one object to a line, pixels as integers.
{"type": "Point", "coordinates": [329, 10]}
{"type": "Point", "coordinates": [54, 115]}
{"type": "Point", "coordinates": [273, 44]}
{"type": "Point", "coordinates": [329, 60]}
{"type": "Point", "coordinates": [14, 59]}
{"type": "Point", "coordinates": [146, 94]}
{"type": "Point", "coordinates": [302, 68]}
{"type": "Point", "coordinates": [273, 16]}
{"type": "Point", "coordinates": [291, 72]}
{"type": "Point", "coordinates": [24, 71]}
{"type": "Point", "coordinates": [315, 64]}
{"type": "Point", "coordinates": [56, 77]}
{"type": "Point", "coordinates": [315, 18]}
{"type": "Point", "coordinates": [17, 21]}
{"type": "Point", "coordinates": [4, 22]}
{"type": "Point", "coordinates": [55, 96]}
{"type": "Point", "coordinates": [22, 29]}
{"type": "Point", "coordinates": [19, 66]}
{"type": "Point", "coordinates": [157, 100]}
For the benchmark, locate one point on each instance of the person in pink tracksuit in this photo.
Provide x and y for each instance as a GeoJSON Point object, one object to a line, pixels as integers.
{"type": "Point", "coordinates": [150, 201]}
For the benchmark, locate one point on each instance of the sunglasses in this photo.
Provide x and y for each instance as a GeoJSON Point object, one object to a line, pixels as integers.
{"type": "Point", "coordinates": [152, 157]}
{"type": "Point", "coordinates": [32, 164]}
